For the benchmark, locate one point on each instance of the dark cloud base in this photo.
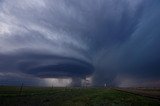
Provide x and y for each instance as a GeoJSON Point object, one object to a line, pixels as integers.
{"type": "Point", "coordinates": [46, 65]}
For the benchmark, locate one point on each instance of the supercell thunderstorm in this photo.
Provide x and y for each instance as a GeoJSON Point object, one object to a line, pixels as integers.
{"type": "Point", "coordinates": [110, 41]}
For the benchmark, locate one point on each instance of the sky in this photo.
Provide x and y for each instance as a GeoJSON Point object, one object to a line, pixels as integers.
{"type": "Point", "coordinates": [66, 42]}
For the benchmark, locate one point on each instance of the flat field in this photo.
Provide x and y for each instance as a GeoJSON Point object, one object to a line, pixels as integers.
{"type": "Point", "coordinates": [39, 96]}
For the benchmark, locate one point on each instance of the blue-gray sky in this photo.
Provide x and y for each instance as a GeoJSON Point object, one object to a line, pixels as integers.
{"type": "Point", "coordinates": [110, 41]}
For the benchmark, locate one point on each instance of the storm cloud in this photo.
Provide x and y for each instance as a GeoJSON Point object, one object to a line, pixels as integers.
{"type": "Point", "coordinates": [111, 41]}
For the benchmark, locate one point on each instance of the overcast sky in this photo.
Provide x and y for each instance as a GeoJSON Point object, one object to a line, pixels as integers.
{"type": "Point", "coordinates": [61, 42]}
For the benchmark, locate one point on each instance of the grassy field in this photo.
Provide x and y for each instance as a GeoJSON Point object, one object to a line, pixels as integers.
{"type": "Point", "coordinates": [147, 92]}
{"type": "Point", "coordinates": [32, 96]}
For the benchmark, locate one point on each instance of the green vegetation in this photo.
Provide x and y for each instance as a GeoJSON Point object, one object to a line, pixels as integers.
{"type": "Point", "coordinates": [32, 96]}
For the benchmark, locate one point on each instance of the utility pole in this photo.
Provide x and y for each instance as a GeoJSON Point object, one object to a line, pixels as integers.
{"type": "Point", "coordinates": [21, 88]}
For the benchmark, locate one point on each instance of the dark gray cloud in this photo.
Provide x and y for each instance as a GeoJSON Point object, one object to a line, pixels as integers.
{"type": "Point", "coordinates": [110, 40]}
{"type": "Point", "coordinates": [45, 65]}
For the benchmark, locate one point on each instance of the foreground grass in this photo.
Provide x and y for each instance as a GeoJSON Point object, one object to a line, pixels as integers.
{"type": "Point", "coordinates": [30, 96]}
